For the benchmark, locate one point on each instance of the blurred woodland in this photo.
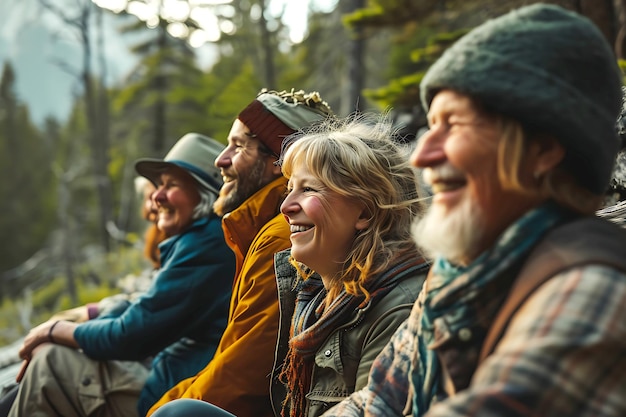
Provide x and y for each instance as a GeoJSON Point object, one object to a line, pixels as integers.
{"type": "Point", "coordinates": [71, 228]}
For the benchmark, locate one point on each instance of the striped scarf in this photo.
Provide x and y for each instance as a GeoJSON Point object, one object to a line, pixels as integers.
{"type": "Point", "coordinates": [312, 323]}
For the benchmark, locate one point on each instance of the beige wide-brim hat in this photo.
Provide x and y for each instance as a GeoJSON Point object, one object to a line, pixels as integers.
{"type": "Point", "coordinates": [195, 153]}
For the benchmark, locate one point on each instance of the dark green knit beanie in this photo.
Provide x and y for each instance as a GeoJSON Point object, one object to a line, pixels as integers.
{"type": "Point", "coordinates": [548, 68]}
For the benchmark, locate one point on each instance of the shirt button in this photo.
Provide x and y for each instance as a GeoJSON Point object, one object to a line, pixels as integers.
{"type": "Point", "coordinates": [465, 334]}
{"type": "Point", "coordinates": [86, 381]}
{"type": "Point", "coordinates": [328, 353]}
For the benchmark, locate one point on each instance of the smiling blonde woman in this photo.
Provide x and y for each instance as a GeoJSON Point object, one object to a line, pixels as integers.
{"type": "Point", "coordinates": [352, 198]}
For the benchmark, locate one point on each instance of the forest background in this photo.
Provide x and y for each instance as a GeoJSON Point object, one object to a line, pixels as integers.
{"type": "Point", "coordinates": [70, 229]}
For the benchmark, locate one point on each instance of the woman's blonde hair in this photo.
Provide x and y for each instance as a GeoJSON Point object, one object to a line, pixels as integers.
{"type": "Point", "coordinates": [558, 184]}
{"type": "Point", "coordinates": [357, 158]}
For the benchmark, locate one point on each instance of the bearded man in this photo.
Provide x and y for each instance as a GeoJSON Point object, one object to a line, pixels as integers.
{"type": "Point", "coordinates": [236, 379]}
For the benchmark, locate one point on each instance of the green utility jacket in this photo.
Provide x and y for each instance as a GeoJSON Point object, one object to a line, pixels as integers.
{"type": "Point", "coordinates": [343, 361]}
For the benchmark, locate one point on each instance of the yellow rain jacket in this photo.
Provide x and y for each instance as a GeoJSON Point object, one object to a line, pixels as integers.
{"type": "Point", "coordinates": [237, 379]}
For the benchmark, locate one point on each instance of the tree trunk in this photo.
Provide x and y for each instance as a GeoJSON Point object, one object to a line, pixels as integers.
{"type": "Point", "coordinates": [268, 50]}
{"type": "Point", "coordinates": [102, 132]}
{"type": "Point", "coordinates": [602, 13]}
{"type": "Point", "coordinates": [355, 65]}
{"type": "Point", "coordinates": [620, 36]}
{"type": "Point", "coordinates": [160, 87]}
{"type": "Point", "coordinates": [98, 145]}
{"type": "Point", "coordinates": [67, 243]}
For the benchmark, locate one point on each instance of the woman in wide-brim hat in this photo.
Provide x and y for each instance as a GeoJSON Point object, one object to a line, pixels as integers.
{"type": "Point", "coordinates": [177, 323]}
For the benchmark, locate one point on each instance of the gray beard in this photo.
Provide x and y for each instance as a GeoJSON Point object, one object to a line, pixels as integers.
{"type": "Point", "coordinates": [453, 236]}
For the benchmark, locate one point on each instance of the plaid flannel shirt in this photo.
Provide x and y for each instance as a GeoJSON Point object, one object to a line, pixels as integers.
{"type": "Point", "coordinates": [564, 354]}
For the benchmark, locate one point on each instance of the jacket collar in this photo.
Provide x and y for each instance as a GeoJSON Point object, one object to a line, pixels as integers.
{"type": "Point", "coordinates": [243, 224]}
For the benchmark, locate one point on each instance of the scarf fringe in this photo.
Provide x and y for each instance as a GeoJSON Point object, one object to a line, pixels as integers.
{"type": "Point", "coordinates": [296, 375]}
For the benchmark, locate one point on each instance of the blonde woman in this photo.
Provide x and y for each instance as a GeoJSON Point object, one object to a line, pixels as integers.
{"type": "Point", "coordinates": [352, 198]}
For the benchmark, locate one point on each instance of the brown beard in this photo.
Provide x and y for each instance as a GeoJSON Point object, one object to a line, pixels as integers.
{"type": "Point", "coordinates": [244, 189]}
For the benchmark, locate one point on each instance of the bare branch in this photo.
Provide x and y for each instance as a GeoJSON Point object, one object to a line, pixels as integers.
{"type": "Point", "coordinates": [58, 12]}
{"type": "Point", "coordinates": [66, 67]}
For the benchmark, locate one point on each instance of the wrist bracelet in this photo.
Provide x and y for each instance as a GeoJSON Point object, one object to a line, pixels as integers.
{"type": "Point", "coordinates": [92, 310]}
{"type": "Point", "coordinates": [50, 338]}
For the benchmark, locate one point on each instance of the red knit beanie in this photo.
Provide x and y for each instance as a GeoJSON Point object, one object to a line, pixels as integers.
{"type": "Point", "coordinates": [267, 127]}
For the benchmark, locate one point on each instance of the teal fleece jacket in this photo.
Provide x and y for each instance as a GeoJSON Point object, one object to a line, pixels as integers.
{"type": "Point", "coordinates": [179, 321]}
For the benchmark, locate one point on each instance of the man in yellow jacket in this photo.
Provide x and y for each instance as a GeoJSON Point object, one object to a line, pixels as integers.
{"type": "Point", "coordinates": [237, 379]}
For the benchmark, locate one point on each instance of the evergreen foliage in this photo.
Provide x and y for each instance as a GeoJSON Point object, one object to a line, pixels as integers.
{"type": "Point", "coordinates": [27, 189]}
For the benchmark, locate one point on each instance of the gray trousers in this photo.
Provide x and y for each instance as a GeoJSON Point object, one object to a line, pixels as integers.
{"type": "Point", "coordinates": [61, 381]}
